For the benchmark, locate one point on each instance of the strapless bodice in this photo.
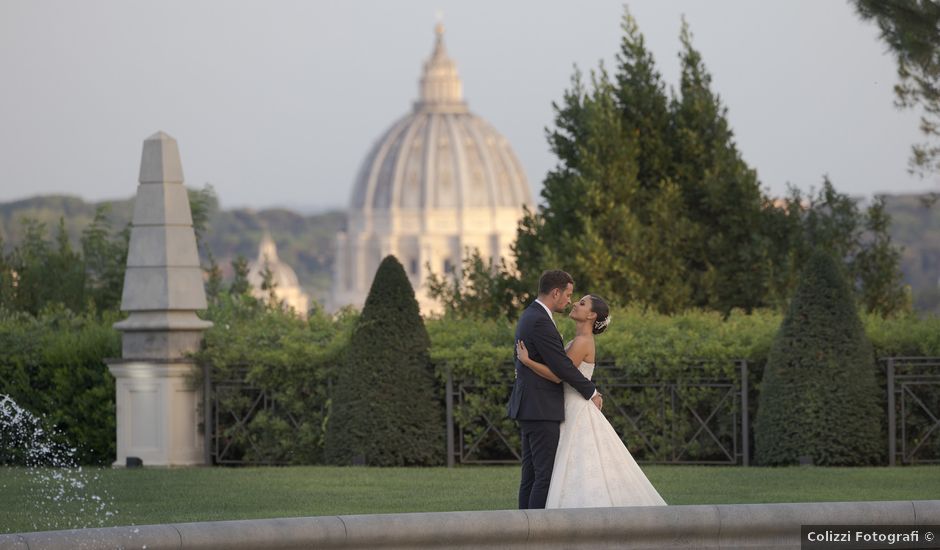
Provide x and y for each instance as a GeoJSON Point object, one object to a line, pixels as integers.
{"type": "Point", "coordinates": [585, 368]}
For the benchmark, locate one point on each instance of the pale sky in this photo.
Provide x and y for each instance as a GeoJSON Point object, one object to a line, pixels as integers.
{"type": "Point", "coordinates": [276, 103]}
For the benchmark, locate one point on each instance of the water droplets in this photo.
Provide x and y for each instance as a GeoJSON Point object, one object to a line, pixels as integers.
{"type": "Point", "coordinates": [58, 487]}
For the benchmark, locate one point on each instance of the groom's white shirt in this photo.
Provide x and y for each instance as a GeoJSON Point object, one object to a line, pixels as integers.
{"type": "Point", "coordinates": [549, 312]}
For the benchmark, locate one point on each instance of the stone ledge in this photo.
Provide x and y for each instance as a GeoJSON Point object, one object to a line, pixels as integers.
{"type": "Point", "coordinates": [671, 527]}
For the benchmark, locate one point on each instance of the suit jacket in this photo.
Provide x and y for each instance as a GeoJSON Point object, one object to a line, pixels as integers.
{"type": "Point", "coordinates": [533, 397]}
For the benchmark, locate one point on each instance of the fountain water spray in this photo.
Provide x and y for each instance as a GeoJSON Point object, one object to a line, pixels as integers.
{"type": "Point", "coordinates": [61, 493]}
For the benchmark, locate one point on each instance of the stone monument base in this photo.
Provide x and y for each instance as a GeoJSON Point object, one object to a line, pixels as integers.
{"type": "Point", "coordinates": [158, 416]}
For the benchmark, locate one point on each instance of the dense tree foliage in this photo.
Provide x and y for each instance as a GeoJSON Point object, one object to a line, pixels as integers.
{"type": "Point", "coordinates": [730, 258]}
{"type": "Point", "coordinates": [651, 203]}
{"type": "Point", "coordinates": [613, 214]}
{"type": "Point", "coordinates": [38, 272]}
{"type": "Point", "coordinates": [271, 349]}
{"type": "Point", "coordinates": [53, 365]}
{"type": "Point", "coordinates": [911, 29]}
{"type": "Point", "coordinates": [819, 397]}
{"type": "Point", "coordinates": [829, 220]}
{"type": "Point", "coordinates": [480, 289]}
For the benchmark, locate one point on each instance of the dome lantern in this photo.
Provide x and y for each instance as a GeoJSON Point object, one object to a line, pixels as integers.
{"type": "Point", "coordinates": [440, 85]}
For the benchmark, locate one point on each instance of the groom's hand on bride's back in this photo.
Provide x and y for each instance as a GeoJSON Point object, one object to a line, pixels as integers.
{"type": "Point", "coordinates": [598, 401]}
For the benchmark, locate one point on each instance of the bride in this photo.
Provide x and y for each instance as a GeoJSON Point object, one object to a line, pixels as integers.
{"type": "Point", "coordinates": [593, 468]}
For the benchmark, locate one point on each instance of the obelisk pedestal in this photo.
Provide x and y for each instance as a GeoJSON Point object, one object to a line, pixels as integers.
{"type": "Point", "coordinates": [157, 402]}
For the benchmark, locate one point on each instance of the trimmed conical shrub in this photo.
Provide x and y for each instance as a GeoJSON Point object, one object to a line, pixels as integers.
{"type": "Point", "coordinates": [819, 397]}
{"type": "Point", "coordinates": [385, 407]}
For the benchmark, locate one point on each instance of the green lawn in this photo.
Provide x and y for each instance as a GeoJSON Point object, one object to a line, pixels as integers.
{"type": "Point", "coordinates": [203, 494]}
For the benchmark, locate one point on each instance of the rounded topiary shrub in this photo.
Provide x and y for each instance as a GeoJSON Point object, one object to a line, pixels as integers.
{"type": "Point", "coordinates": [385, 407]}
{"type": "Point", "coordinates": [819, 397]}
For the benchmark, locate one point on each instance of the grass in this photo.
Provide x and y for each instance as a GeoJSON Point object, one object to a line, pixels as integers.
{"type": "Point", "coordinates": [145, 496]}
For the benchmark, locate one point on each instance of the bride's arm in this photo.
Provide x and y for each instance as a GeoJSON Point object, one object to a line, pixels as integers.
{"type": "Point", "coordinates": [537, 368]}
{"type": "Point", "coordinates": [576, 353]}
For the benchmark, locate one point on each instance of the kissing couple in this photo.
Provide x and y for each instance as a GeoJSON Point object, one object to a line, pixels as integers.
{"type": "Point", "coordinates": [571, 456]}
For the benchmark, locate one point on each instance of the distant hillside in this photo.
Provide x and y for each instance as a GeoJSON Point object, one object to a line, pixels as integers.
{"type": "Point", "coordinates": [306, 243]}
{"type": "Point", "coordinates": [76, 213]}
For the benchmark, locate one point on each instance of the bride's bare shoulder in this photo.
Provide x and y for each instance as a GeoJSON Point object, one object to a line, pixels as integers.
{"type": "Point", "coordinates": [582, 347]}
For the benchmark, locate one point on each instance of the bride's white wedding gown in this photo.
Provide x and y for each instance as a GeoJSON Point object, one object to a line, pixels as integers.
{"type": "Point", "coordinates": [593, 468]}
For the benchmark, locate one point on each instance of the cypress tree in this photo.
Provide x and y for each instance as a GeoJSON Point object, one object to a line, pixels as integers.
{"type": "Point", "coordinates": [385, 409]}
{"type": "Point", "coordinates": [611, 216]}
{"type": "Point", "coordinates": [643, 105]}
{"type": "Point", "coordinates": [240, 285]}
{"type": "Point", "coordinates": [721, 192]}
{"type": "Point", "coordinates": [818, 396]}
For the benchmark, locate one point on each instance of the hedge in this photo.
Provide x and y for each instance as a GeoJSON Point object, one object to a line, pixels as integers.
{"type": "Point", "coordinates": [52, 364]}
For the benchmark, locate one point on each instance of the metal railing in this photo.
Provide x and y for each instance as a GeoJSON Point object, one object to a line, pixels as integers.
{"type": "Point", "coordinates": [228, 434]}
{"type": "Point", "coordinates": [730, 405]}
{"type": "Point", "coordinates": [913, 391]}
{"type": "Point", "coordinates": [657, 434]}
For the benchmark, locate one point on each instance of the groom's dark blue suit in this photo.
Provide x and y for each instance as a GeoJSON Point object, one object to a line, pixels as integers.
{"type": "Point", "coordinates": [538, 404]}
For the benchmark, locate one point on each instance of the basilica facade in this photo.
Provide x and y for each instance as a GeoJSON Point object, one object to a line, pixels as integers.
{"type": "Point", "coordinates": [440, 181]}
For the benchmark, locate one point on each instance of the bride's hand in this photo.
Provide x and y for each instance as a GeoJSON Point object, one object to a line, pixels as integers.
{"type": "Point", "coordinates": [521, 352]}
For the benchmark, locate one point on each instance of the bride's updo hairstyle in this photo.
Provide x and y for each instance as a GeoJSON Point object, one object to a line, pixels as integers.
{"type": "Point", "coordinates": [599, 306]}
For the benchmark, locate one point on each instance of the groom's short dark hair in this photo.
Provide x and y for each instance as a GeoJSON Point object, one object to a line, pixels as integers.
{"type": "Point", "coordinates": [552, 279]}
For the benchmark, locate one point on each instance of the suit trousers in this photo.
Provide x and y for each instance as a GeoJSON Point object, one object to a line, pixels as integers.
{"type": "Point", "coordinates": [539, 443]}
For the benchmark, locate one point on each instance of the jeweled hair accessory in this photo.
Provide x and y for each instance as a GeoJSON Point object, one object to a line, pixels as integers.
{"type": "Point", "coordinates": [598, 325]}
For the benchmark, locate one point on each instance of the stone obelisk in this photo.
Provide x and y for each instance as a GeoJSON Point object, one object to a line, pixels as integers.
{"type": "Point", "coordinates": [158, 412]}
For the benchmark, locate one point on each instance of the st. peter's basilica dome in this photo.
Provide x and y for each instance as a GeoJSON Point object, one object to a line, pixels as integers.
{"type": "Point", "coordinates": [440, 181]}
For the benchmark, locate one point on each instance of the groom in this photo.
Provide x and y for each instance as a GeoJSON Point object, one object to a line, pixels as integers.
{"type": "Point", "coordinates": [536, 403]}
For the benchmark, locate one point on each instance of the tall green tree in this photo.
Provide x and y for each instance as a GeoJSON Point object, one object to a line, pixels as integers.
{"type": "Point", "coordinates": [7, 280]}
{"type": "Point", "coordinates": [214, 280]}
{"type": "Point", "coordinates": [651, 202]}
{"type": "Point", "coordinates": [40, 272]}
{"type": "Point", "coordinates": [911, 29]}
{"type": "Point", "coordinates": [385, 407]}
{"type": "Point", "coordinates": [44, 272]}
{"type": "Point", "coordinates": [644, 108]}
{"type": "Point", "coordinates": [240, 285]}
{"type": "Point", "coordinates": [604, 203]}
{"type": "Point", "coordinates": [721, 193]}
{"type": "Point", "coordinates": [27, 264]}
{"type": "Point", "coordinates": [880, 281]}
{"type": "Point", "coordinates": [105, 261]}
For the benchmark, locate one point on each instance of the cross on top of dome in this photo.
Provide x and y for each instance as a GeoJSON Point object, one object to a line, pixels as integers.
{"type": "Point", "coordinates": [440, 86]}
